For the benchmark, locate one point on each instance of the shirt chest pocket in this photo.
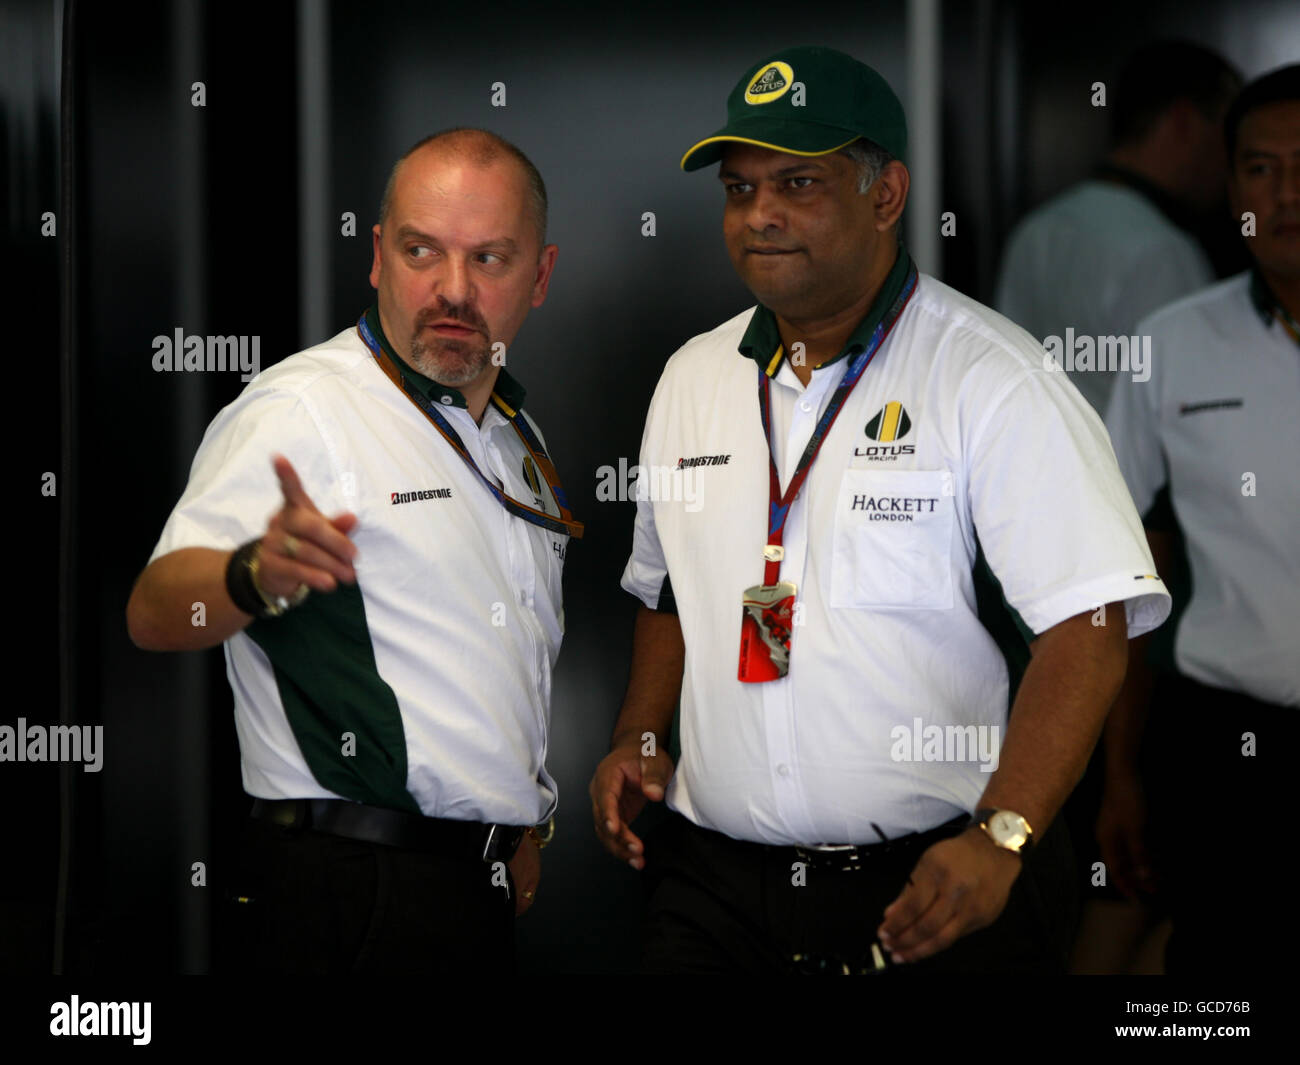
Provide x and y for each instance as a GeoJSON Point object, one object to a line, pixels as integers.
{"type": "Point", "coordinates": [893, 540]}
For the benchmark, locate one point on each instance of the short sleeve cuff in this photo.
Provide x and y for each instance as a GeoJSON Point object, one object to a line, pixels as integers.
{"type": "Point", "coordinates": [649, 586]}
{"type": "Point", "coordinates": [1146, 602]}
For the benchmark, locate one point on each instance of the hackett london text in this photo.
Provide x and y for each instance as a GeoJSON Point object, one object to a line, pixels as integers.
{"type": "Point", "coordinates": [907, 505]}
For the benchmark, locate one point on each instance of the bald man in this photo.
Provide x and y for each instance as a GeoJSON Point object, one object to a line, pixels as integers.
{"type": "Point", "coordinates": [390, 629]}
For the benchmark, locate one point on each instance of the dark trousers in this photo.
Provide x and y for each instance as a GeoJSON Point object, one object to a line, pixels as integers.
{"type": "Point", "coordinates": [719, 905]}
{"type": "Point", "coordinates": [1220, 831]}
{"type": "Point", "coordinates": [302, 901]}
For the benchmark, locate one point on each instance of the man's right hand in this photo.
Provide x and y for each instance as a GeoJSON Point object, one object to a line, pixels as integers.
{"type": "Point", "coordinates": [322, 554]}
{"type": "Point", "coordinates": [623, 782]}
{"type": "Point", "coordinates": [160, 615]}
{"type": "Point", "coordinates": [1121, 835]}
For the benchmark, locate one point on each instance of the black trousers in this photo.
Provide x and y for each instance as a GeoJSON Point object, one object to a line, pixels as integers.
{"type": "Point", "coordinates": [719, 905]}
{"type": "Point", "coordinates": [1220, 832]}
{"type": "Point", "coordinates": [306, 902]}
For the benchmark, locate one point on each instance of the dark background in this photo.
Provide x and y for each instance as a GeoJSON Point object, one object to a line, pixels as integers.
{"type": "Point", "coordinates": [225, 219]}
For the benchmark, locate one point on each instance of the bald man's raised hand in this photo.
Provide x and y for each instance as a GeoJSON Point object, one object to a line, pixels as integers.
{"type": "Point", "coordinates": [301, 545]}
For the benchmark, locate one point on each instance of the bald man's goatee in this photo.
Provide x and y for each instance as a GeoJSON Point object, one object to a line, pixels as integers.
{"type": "Point", "coordinates": [451, 363]}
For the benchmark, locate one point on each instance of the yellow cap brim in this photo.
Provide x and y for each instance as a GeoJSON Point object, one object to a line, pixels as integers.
{"type": "Point", "coordinates": [712, 157]}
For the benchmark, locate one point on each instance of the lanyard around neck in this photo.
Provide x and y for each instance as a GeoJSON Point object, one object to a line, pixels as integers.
{"type": "Point", "coordinates": [565, 524]}
{"type": "Point", "coordinates": [778, 509]}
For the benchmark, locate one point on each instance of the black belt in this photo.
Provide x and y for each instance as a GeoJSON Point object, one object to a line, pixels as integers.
{"type": "Point", "coordinates": [849, 858]}
{"type": "Point", "coordinates": [394, 828]}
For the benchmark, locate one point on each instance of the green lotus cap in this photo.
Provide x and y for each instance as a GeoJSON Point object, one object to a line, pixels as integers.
{"type": "Point", "coordinates": [807, 101]}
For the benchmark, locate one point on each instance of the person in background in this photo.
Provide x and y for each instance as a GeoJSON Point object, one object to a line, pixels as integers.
{"type": "Point", "coordinates": [1113, 248]}
{"type": "Point", "coordinates": [1209, 448]}
{"type": "Point", "coordinates": [1095, 259]}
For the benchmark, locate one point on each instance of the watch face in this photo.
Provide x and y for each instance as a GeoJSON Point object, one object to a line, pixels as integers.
{"type": "Point", "coordinates": [1008, 829]}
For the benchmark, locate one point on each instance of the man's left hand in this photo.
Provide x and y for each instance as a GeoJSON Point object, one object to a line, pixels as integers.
{"type": "Point", "coordinates": [958, 886]}
{"type": "Point", "coordinates": [526, 869]}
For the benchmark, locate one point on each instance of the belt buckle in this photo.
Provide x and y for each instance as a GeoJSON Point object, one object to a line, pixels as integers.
{"type": "Point", "coordinates": [488, 851]}
{"type": "Point", "coordinates": [822, 852]}
{"type": "Point", "coordinates": [293, 814]}
{"type": "Point", "coordinates": [497, 838]}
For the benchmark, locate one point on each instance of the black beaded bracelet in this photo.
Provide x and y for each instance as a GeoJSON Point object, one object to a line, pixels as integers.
{"type": "Point", "coordinates": [239, 581]}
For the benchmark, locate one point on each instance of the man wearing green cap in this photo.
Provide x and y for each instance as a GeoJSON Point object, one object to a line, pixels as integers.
{"type": "Point", "coordinates": [851, 794]}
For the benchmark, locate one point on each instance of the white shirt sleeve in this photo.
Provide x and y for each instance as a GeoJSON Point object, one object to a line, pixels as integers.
{"type": "Point", "coordinates": [233, 490]}
{"type": "Point", "coordinates": [1132, 419]}
{"type": "Point", "coordinates": [647, 568]}
{"type": "Point", "coordinates": [1052, 512]}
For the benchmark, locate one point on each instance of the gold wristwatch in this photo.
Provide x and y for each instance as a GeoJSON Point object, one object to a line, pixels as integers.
{"type": "Point", "coordinates": [1007, 829]}
{"type": "Point", "coordinates": [542, 834]}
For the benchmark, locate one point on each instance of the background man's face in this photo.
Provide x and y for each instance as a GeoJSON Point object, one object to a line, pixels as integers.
{"type": "Point", "coordinates": [799, 233]}
{"type": "Point", "coordinates": [457, 264]}
{"type": "Point", "coordinates": [1266, 180]}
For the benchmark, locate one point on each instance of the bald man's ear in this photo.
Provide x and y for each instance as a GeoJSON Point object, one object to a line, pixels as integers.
{"type": "Point", "coordinates": [542, 279]}
{"type": "Point", "coordinates": [376, 264]}
{"type": "Point", "coordinates": [890, 194]}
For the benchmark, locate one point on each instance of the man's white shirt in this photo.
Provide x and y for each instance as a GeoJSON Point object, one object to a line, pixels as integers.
{"type": "Point", "coordinates": [956, 414]}
{"type": "Point", "coordinates": [1217, 425]}
{"type": "Point", "coordinates": [461, 601]}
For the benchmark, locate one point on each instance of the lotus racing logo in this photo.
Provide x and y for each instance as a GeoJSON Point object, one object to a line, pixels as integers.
{"type": "Point", "coordinates": [889, 424]}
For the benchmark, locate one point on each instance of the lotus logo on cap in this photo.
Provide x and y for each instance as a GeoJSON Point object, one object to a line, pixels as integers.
{"type": "Point", "coordinates": [770, 83]}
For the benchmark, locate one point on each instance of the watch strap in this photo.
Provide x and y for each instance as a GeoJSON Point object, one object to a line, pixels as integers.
{"type": "Point", "coordinates": [240, 586]}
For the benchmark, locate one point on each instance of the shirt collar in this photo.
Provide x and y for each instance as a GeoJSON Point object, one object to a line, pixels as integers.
{"type": "Point", "coordinates": [1261, 295]}
{"type": "Point", "coordinates": [762, 339]}
{"type": "Point", "coordinates": [1166, 204]}
{"type": "Point", "coordinates": [511, 391]}
{"type": "Point", "coordinates": [1269, 306]}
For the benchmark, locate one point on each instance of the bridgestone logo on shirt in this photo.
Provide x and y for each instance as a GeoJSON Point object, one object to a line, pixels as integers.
{"type": "Point", "coordinates": [426, 493]}
{"type": "Point", "coordinates": [703, 460]}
